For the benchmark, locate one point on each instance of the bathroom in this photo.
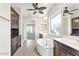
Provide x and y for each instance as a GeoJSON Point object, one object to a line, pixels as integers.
{"type": "Point", "coordinates": [47, 28]}
{"type": "Point", "coordinates": [41, 32]}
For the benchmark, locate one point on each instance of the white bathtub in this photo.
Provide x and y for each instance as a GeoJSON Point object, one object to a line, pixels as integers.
{"type": "Point", "coordinates": [45, 47]}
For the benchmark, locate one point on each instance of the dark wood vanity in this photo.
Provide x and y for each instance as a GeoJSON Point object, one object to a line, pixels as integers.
{"type": "Point", "coordinates": [64, 50]}
{"type": "Point", "coordinates": [15, 37]}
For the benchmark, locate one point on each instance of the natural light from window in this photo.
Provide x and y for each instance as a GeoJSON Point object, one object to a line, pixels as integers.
{"type": "Point", "coordinates": [55, 25]}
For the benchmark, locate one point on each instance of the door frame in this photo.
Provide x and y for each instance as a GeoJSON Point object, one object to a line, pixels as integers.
{"type": "Point", "coordinates": [34, 29]}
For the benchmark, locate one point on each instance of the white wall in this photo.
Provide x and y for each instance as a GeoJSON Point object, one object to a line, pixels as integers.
{"type": "Point", "coordinates": [56, 7]}
{"type": "Point", "coordinates": [5, 29]}
{"type": "Point", "coordinates": [5, 10]}
{"type": "Point", "coordinates": [66, 25]}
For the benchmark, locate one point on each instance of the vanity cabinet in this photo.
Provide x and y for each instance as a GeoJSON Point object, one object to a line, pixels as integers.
{"type": "Point", "coordinates": [56, 48]}
{"type": "Point", "coordinates": [64, 50]}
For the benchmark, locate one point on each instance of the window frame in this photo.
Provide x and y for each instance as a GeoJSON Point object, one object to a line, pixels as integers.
{"type": "Point", "coordinates": [49, 22]}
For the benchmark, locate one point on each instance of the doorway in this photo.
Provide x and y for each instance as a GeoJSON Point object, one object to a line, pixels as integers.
{"type": "Point", "coordinates": [30, 31]}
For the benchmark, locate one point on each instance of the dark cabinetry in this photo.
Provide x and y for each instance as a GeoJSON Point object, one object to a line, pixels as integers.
{"type": "Point", "coordinates": [40, 35]}
{"type": "Point", "coordinates": [14, 19]}
{"type": "Point", "coordinates": [15, 44]}
{"type": "Point", "coordinates": [15, 37]}
{"type": "Point", "coordinates": [56, 48]}
{"type": "Point", "coordinates": [75, 26]}
{"type": "Point", "coordinates": [63, 50]}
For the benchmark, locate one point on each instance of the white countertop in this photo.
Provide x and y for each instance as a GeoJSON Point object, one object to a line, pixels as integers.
{"type": "Point", "coordinates": [69, 42]}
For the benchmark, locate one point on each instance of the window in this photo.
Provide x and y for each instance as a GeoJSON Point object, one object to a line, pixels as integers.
{"type": "Point", "coordinates": [55, 25]}
{"type": "Point", "coordinates": [29, 29]}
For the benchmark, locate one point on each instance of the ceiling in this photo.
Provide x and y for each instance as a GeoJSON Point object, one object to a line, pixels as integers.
{"type": "Point", "coordinates": [25, 6]}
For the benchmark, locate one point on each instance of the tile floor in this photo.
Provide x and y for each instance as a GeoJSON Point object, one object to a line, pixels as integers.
{"type": "Point", "coordinates": [28, 49]}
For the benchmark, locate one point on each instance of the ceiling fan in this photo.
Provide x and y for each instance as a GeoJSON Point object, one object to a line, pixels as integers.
{"type": "Point", "coordinates": [69, 12]}
{"type": "Point", "coordinates": [40, 9]}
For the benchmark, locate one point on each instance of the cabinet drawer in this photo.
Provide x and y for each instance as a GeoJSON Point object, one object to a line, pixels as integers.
{"type": "Point", "coordinates": [69, 49]}
{"type": "Point", "coordinates": [63, 52]}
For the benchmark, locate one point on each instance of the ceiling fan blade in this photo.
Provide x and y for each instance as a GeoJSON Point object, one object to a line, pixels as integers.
{"type": "Point", "coordinates": [40, 12]}
{"type": "Point", "coordinates": [42, 8]}
{"type": "Point", "coordinates": [35, 5]}
{"type": "Point", "coordinates": [66, 7]}
{"type": "Point", "coordinates": [30, 9]}
{"type": "Point", "coordinates": [34, 12]}
{"type": "Point", "coordinates": [65, 11]}
{"type": "Point", "coordinates": [70, 13]}
{"type": "Point", "coordinates": [73, 10]}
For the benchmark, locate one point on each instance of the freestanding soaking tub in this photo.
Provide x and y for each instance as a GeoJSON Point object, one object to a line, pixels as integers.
{"type": "Point", "coordinates": [45, 47]}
